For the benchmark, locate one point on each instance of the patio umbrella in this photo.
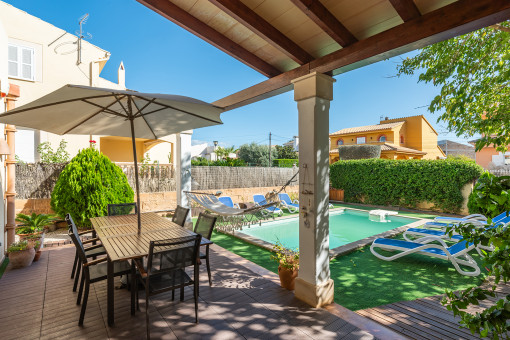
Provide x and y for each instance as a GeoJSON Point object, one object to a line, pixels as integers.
{"type": "Point", "coordinates": [85, 110]}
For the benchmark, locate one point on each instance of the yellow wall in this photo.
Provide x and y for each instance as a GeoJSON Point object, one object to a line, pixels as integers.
{"type": "Point", "coordinates": [417, 132]}
{"type": "Point", "coordinates": [121, 149]}
{"type": "Point", "coordinates": [371, 138]}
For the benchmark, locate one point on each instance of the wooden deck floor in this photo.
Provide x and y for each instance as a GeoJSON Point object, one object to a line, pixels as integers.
{"type": "Point", "coordinates": [38, 303]}
{"type": "Point", "coordinates": [424, 318]}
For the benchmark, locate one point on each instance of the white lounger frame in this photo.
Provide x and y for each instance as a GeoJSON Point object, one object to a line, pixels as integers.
{"type": "Point", "coordinates": [454, 259]}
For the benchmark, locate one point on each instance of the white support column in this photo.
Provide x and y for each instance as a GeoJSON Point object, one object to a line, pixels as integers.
{"type": "Point", "coordinates": [183, 170]}
{"type": "Point", "coordinates": [313, 94]}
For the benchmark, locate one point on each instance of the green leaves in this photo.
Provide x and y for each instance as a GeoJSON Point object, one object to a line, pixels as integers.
{"type": "Point", "coordinates": [404, 182]}
{"type": "Point", "coordinates": [87, 185]}
{"type": "Point", "coordinates": [473, 71]}
{"type": "Point", "coordinates": [490, 196]}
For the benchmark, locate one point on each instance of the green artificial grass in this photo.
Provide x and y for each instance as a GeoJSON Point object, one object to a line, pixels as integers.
{"type": "Point", "coordinates": [364, 281]}
{"type": "Point", "coordinates": [249, 251]}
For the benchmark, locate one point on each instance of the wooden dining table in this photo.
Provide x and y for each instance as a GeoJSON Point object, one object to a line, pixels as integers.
{"type": "Point", "coordinates": [121, 240]}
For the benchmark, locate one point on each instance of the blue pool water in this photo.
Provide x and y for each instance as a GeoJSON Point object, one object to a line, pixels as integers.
{"type": "Point", "coordinates": [344, 227]}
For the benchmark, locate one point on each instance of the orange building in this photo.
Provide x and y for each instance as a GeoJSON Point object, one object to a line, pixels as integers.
{"type": "Point", "coordinates": [490, 158]}
{"type": "Point", "coordinates": [400, 138]}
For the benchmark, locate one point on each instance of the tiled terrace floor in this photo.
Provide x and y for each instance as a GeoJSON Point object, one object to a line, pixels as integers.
{"type": "Point", "coordinates": [38, 303]}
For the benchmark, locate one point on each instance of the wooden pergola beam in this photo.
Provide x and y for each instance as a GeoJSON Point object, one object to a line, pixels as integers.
{"type": "Point", "coordinates": [243, 14]}
{"type": "Point", "coordinates": [406, 9]}
{"type": "Point", "coordinates": [320, 15]}
{"type": "Point", "coordinates": [458, 18]}
{"type": "Point", "coordinates": [185, 20]}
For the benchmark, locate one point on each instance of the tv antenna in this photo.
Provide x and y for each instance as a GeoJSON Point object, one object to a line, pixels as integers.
{"type": "Point", "coordinates": [82, 35]}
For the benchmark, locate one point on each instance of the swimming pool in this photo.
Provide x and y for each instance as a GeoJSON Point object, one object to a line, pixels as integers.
{"type": "Point", "coordinates": [344, 227]}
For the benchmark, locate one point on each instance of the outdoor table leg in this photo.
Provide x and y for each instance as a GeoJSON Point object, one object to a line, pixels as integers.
{"type": "Point", "coordinates": [110, 292]}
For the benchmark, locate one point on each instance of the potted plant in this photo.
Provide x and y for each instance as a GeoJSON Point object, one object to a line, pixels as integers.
{"type": "Point", "coordinates": [21, 254]}
{"type": "Point", "coordinates": [32, 228]}
{"type": "Point", "coordinates": [288, 265]}
{"type": "Point", "coordinates": [32, 224]}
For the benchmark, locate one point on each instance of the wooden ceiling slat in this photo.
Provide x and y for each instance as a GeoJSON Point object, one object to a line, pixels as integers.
{"type": "Point", "coordinates": [406, 9]}
{"type": "Point", "coordinates": [242, 13]}
{"type": "Point", "coordinates": [444, 23]}
{"type": "Point", "coordinates": [320, 15]}
{"type": "Point", "coordinates": [185, 20]}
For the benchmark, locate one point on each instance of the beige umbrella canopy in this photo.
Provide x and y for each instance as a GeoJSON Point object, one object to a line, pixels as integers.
{"type": "Point", "coordinates": [85, 110]}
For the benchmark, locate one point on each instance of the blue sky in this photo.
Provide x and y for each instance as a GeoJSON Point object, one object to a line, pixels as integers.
{"type": "Point", "coordinates": [161, 57]}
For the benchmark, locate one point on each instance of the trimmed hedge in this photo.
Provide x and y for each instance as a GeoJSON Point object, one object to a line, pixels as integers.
{"type": "Point", "coordinates": [365, 151]}
{"type": "Point", "coordinates": [405, 182]}
{"type": "Point", "coordinates": [285, 163]}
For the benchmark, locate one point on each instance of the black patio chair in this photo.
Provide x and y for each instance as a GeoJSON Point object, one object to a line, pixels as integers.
{"type": "Point", "coordinates": [92, 252]}
{"type": "Point", "coordinates": [122, 209]}
{"type": "Point", "coordinates": [92, 271]}
{"type": "Point", "coordinates": [204, 226]}
{"type": "Point", "coordinates": [180, 215]}
{"type": "Point", "coordinates": [165, 270]}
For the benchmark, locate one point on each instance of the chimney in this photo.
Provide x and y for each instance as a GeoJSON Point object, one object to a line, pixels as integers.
{"type": "Point", "coordinates": [121, 75]}
{"type": "Point", "coordinates": [386, 118]}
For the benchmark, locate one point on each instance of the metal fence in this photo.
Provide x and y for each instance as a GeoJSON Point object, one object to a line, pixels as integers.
{"type": "Point", "coordinates": [500, 172]}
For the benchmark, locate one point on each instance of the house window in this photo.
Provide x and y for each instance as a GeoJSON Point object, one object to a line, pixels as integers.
{"type": "Point", "coordinates": [382, 138]}
{"type": "Point", "coordinates": [20, 62]}
{"type": "Point", "coordinates": [361, 140]}
{"type": "Point", "coordinates": [340, 142]}
{"type": "Point", "coordinates": [401, 139]}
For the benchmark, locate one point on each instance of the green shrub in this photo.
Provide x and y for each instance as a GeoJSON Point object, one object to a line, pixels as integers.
{"type": "Point", "coordinates": [285, 163]}
{"type": "Point", "coordinates": [365, 151]}
{"type": "Point", "coordinates": [490, 196]}
{"type": "Point", "coordinates": [201, 161]}
{"type": "Point", "coordinates": [87, 185]}
{"type": "Point", "coordinates": [404, 182]}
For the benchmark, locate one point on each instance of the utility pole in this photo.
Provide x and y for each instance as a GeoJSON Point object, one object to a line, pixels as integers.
{"type": "Point", "coordinates": [269, 149]}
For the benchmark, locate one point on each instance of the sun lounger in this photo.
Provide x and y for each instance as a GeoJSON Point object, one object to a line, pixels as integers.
{"type": "Point", "coordinates": [288, 204]}
{"type": "Point", "coordinates": [227, 200]}
{"type": "Point", "coordinates": [443, 222]}
{"type": "Point", "coordinates": [261, 200]}
{"type": "Point", "coordinates": [457, 254]}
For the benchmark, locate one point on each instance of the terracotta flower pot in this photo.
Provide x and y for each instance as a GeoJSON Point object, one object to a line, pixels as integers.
{"type": "Point", "coordinates": [23, 258]}
{"type": "Point", "coordinates": [25, 236]}
{"type": "Point", "coordinates": [287, 277]}
{"type": "Point", "coordinates": [37, 255]}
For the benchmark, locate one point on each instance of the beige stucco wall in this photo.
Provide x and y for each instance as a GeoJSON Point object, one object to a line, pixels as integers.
{"type": "Point", "coordinates": [158, 200]}
{"type": "Point", "coordinates": [4, 82]}
{"type": "Point", "coordinates": [55, 66]}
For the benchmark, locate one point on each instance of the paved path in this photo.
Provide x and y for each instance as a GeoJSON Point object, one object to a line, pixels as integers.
{"type": "Point", "coordinates": [38, 303]}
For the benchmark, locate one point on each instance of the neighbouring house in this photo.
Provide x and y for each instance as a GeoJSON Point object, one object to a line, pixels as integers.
{"type": "Point", "coordinates": [42, 58]}
{"type": "Point", "coordinates": [400, 138]}
{"type": "Point", "coordinates": [203, 150]}
{"type": "Point", "coordinates": [490, 158]}
{"type": "Point", "coordinates": [294, 143]}
{"type": "Point", "coordinates": [453, 149]}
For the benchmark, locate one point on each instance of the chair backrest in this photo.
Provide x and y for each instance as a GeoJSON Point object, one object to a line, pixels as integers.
{"type": "Point", "coordinates": [122, 209]}
{"type": "Point", "coordinates": [73, 233]}
{"type": "Point", "coordinates": [180, 215]}
{"type": "Point", "coordinates": [205, 225]}
{"type": "Point", "coordinates": [226, 200]}
{"type": "Point", "coordinates": [285, 197]}
{"type": "Point", "coordinates": [259, 199]}
{"type": "Point", "coordinates": [172, 254]}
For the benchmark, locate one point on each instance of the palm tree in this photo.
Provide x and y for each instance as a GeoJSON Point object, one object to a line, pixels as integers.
{"type": "Point", "coordinates": [224, 152]}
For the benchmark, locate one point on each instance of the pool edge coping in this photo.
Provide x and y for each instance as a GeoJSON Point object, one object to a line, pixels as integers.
{"type": "Point", "coordinates": [344, 249]}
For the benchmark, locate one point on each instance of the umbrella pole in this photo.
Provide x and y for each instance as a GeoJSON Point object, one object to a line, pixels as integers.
{"type": "Point", "coordinates": [136, 175]}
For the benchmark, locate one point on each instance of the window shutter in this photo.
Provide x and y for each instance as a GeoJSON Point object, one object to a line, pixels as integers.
{"type": "Point", "coordinates": [13, 61]}
{"type": "Point", "coordinates": [27, 63]}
